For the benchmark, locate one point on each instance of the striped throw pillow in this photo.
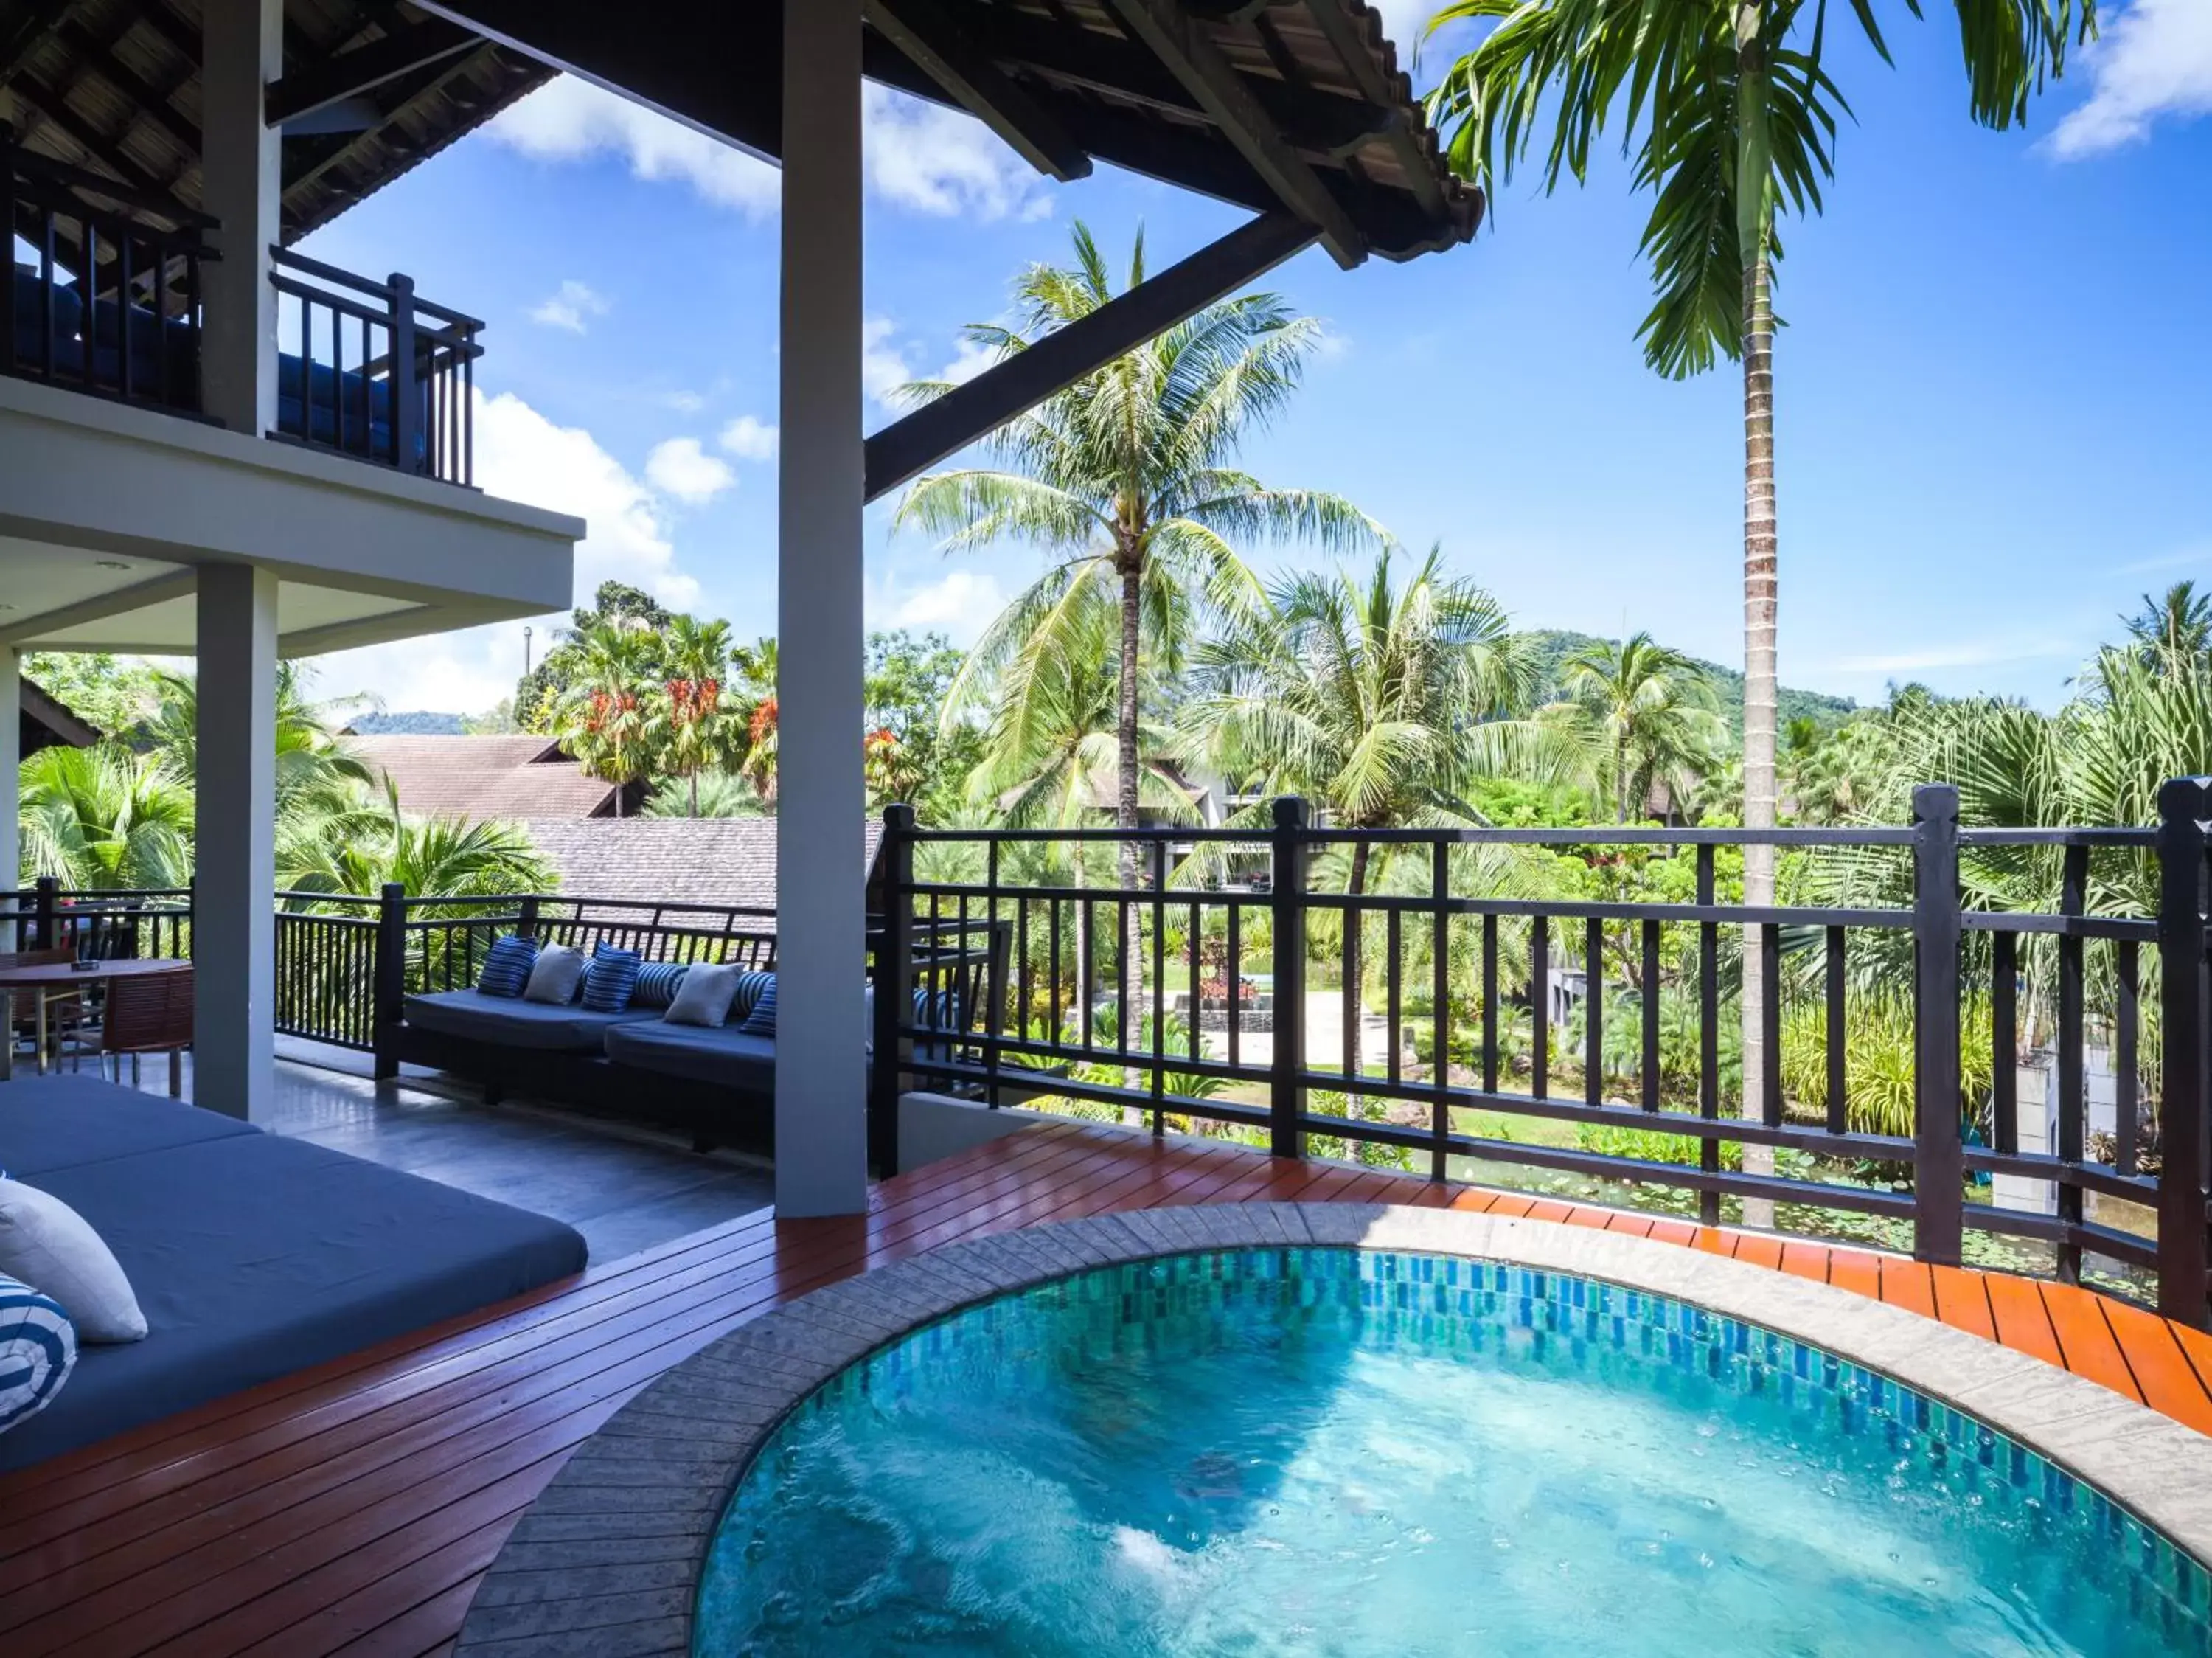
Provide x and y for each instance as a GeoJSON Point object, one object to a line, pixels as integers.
{"type": "Point", "coordinates": [658, 982]}
{"type": "Point", "coordinates": [611, 980]}
{"type": "Point", "coordinates": [38, 1350]}
{"type": "Point", "coordinates": [506, 966]}
{"type": "Point", "coordinates": [760, 1021]}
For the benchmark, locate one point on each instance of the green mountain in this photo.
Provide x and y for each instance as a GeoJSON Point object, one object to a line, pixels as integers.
{"type": "Point", "coordinates": [417, 724]}
{"type": "Point", "coordinates": [1554, 645]}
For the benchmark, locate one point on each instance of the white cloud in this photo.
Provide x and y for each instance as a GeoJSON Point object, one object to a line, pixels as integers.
{"type": "Point", "coordinates": [571, 120]}
{"type": "Point", "coordinates": [963, 602]}
{"type": "Point", "coordinates": [750, 439]}
{"type": "Point", "coordinates": [570, 307]}
{"type": "Point", "coordinates": [683, 402]}
{"type": "Point", "coordinates": [919, 155]}
{"type": "Point", "coordinates": [883, 366]}
{"type": "Point", "coordinates": [969, 360]}
{"type": "Point", "coordinates": [2155, 59]}
{"type": "Point", "coordinates": [464, 673]}
{"type": "Point", "coordinates": [681, 468]}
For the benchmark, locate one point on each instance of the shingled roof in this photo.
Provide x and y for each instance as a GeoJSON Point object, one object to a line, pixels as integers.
{"type": "Point", "coordinates": [669, 860]}
{"type": "Point", "coordinates": [498, 778]}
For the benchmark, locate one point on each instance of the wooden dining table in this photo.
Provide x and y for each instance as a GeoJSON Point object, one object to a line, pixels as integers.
{"type": "Point", "coordinates": [48, 977]}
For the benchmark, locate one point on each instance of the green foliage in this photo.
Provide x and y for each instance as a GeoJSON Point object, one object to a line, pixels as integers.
{"type": "Point", "coordinates": [115, 695]}
{"type": "Point", "coordinates": [539, 693]}
{"type": "Point", "coordinates": [708, 795]}
{"type": "Point", "coordinates": [1653, 1146]}
{"type": "Point", "coordinates": [1645, 715]}
{"type": "Point", "coordinates": [913, 754]}
{"type": "Point", "coordinates": [1879, 1068]}
{"type": "Point", "coordinates": [1553, 647]}
{"type": "Point", "coordinates": [104, 819]}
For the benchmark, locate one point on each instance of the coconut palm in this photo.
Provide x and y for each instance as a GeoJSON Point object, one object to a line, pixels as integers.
{"type": "Point", "coordinates": [720, 794]}
{"type": "Point", "coordinates": [1650, 710]}
{"type": "Point", "coordinates": [695, 669]}
{"type": "Point", "coordinates": [1377, 697]}
{"type": "Point", "coordinates": [104, 818]}
{"type": "Point", "coordinates": [1729, 112]}
{"type": "Point", "coordinates": [1125, 481]}
{"type": "Point", "coordinates": [315, 772]}
{"type": "Point", "coordinates": [2178, 624]}
{"type": "Point", "coordinates": [754, 715]}
{"type": "Point", "coordinates": [605, 718]}
{"type": "Point", "coordinates": [448, 857]}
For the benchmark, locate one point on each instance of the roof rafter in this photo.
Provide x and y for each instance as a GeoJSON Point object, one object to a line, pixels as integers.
{"type": "Point", "coordinates": [363, 69]}
{"type": "Point", "coordinates": [918, 440]}
{"type": "Point", "coordinates": [1191, 55]}
{"type": "Point", "coordinates": [952, 59]}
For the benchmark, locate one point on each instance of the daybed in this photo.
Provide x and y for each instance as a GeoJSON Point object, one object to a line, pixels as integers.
{"type": "Point", "coordinates": [251, 1255]}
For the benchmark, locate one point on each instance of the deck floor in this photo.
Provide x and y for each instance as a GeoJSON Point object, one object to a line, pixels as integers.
{"type": "Point", "coordinates": [351, 1509]}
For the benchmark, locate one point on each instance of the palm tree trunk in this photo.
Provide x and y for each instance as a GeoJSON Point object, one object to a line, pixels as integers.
{"type": "Point", "coordinates": [1759, 584]}
{"type": "Point", "coordinates": [694, 791]}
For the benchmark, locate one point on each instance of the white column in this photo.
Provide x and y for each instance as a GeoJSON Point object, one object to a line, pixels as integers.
{"type": "Point", "coordinates": [821, 1071]}
{"type": "Point", "coordinates": [11, 761]}
{"type": "Point", "coordinates": [241, 49]}
{"type": "Point", "coordinates": [234, 883]}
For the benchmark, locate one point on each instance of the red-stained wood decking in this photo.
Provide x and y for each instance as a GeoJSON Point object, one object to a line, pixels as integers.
{"type": "Point", "coordinates": [351, 1509]}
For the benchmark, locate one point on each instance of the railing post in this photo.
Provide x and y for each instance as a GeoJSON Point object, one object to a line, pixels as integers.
{"type": "Point", "coordinates": [894, 979]}
{"type": "Point", "coordinates": [2184, 806]}
{"type": "Point", "coordinates": [525, 918]}
{"type": "Point", "coordinates": [1938, 1157]}
{"type": "Point", "coordinates": [1287, 1099]}
{"type": "Point", "coordinates": [48, 892]}
{"type": "Point", "coordinates": [388, 977]}
{"type": "Point", "coordinates": [406, 414]}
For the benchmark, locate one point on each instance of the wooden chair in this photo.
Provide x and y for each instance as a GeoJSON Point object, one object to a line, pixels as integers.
{"type": "Point", "coordinates": [65, 1008]}
{"type": "Point", "coordinates": [151, 1013]}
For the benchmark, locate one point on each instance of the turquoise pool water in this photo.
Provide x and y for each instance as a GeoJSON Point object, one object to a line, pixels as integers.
{"type": "Point", "coordinates": [1357, 1454]}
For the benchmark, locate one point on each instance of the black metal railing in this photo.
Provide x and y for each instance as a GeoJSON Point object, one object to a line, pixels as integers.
{"type": "Point", "coordinates": [111, 302]}
{"type": "Point", "coordinates": [374, 370]}
{"type": "Point", "coordinates": [104, 925]}
{"type": "Point", "coordinates": [1185, 993]}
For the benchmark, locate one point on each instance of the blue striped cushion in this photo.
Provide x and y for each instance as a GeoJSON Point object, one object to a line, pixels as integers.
{"type": "Point", "coordinates": [761, 988]}
{"type": "Point", "coordinates": [38, 1350]}
{"type": "Point", "coordinates": [657, 983]}
{"type": "Point", "coordinates": [506, 966]}
{"type": "Point", "coordinates": [611, 980]}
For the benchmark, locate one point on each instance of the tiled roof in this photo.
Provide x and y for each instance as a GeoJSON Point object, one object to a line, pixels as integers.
{"type": "Point", "coordinates": [668, 860]}
{"type": "Point", "coordinates": [481, 777]}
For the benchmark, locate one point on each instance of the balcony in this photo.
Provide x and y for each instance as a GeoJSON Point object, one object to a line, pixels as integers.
{"type": "Point", "coordinates": [370, 371]}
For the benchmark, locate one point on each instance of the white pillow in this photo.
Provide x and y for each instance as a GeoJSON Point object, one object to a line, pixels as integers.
{"type": "Point", "coordinates": [705, 996]}
{"type": "Point", "coordinates": [554, 975]}
{"type": "Point", "coordinates": [50, 1246]}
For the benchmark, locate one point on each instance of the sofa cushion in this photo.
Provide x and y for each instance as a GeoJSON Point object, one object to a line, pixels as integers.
{"type": "Point", "coordinates": [38, 1350]}
{"type": "Point", "coordinates": [760, 1021]}
{"type": "Point", "coordinates": [555, 1027]}
{"type": "Point", "coordinates": [555, 975]}
{"type": "Point", "coordinates": [59, 1122]}
{"type": "Point", "coordinates": [507, 965]}
{"type": "Point", "coordinates": [703, 999]}
{"type": "Point", "coordinates": [45, 1242]}
{"type": "Point", "coordinates": [305, 1255]}
{"type": "Point", "coordinates": [658, 982]}
{"type": "Point", "coordinates": [611, 980]}
{"type": "Point", "coordinates": [723, 1055]}
{"type": "Point", "coordinates": [753, 985]}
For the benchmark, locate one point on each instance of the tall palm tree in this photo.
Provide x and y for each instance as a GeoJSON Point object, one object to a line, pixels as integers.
{"type": "Point", "coordinates": [695, 669]}
{"type": "Point", "coordinates": [1729, 112]}
{"type": "Point", "coordinates": [2177, 624]}
{"type": "Point", "coordinates": [1650, 711]}
{"type": "Point", "coordinates": [1125, 481]}
{"type": "Point", "coordinates": [755, 713]}
{"type": "Point", "coordinates": [315, 771]}
{"type": "Point", "coordinates": [104, 818]}
{"type": "Point", "coordinates": [606, 719]}
{"type": "Point", "coordinates": [1377, 697]}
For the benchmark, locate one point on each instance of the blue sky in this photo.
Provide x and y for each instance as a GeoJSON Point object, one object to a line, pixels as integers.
{"type": "Point", "coordinates": [1991, 389]}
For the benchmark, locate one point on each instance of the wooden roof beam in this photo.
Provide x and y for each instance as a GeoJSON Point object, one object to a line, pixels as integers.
{"type": "Point", "coordinates": [936, 44]}
{"type": "Point", "coordinates": [915, 442]}
{"type": "Point", "coordinates": [152, 101]}
{"type": "Point", "coordinates": [1349, 41]}
{"type": "Point", "coordinates": [304, 92]}
{"type": "Point", "coordinates": [40, 20]}
{"type": "Point", "coordinates": [1192, 56]}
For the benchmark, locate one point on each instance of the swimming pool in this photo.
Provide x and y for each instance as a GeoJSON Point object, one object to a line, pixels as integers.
{"type": "Point", "coordinates": [1360, 1452]}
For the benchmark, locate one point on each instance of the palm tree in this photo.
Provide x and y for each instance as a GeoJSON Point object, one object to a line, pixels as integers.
{"type": "Point", "coordinates": [714, 793]}
{"type": "Point", "coordinates": [104, 818]}
{"type": "Point", "coordinates": [605, 719]}
{"type": "Point", "coordinates": [443, 857]}
{"type": "Point", "coordinates": [2175, 625]}
{"type": "Point", "coordinates": [1651, 711]}
{"type": "Point", "coordinates": [1126, 482]}
{"type": "Point", "coordinates": [315, 772]}
{"type": "Point", "coordinates": [696, 664]}
{"type": "Point", "coordinates": [1729, 114]}
{"type": "Point", "coordinates": [755, 713]}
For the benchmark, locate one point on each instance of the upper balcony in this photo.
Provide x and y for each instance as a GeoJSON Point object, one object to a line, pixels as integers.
{"type": "Point", "coordinates": [110, 300]}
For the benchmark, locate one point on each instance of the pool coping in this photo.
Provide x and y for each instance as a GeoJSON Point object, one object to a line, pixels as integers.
{"type": "Point", "coordinates": [607, 1562]}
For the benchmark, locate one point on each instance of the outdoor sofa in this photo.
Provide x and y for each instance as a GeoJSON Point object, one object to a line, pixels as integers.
{"type": "Point", "coordinates": [251, 1255]}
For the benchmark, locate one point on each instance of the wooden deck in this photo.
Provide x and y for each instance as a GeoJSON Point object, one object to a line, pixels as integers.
{"type": "Point", "coordinates": [351, 1509]}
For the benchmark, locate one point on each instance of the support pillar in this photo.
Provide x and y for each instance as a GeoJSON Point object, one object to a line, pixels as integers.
{"type": "Point", "coordinates": [11, 761]}
{"type": "Point", "coordinates": [235, 884]}
{"type": "Point", "coordinates": [821, 1116]}
{"type": "Point", "coordinates": [241, 49]}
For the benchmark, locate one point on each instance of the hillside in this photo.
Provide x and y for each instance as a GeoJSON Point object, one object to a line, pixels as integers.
{"type": "Point", "coordinates": [417, 724]}
{"type": "Point", "coordinates": [1555, 646]}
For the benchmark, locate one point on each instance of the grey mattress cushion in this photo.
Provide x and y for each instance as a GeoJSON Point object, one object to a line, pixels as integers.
{"type": "Point", "coordinates": [514, 1023]}
{"type": "Point", "coordinates": [254, 1256]}
{"type": "Point", "coordinates": [723, 1055]}
{"type": "Point", "coordinates": [59, 1122]}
